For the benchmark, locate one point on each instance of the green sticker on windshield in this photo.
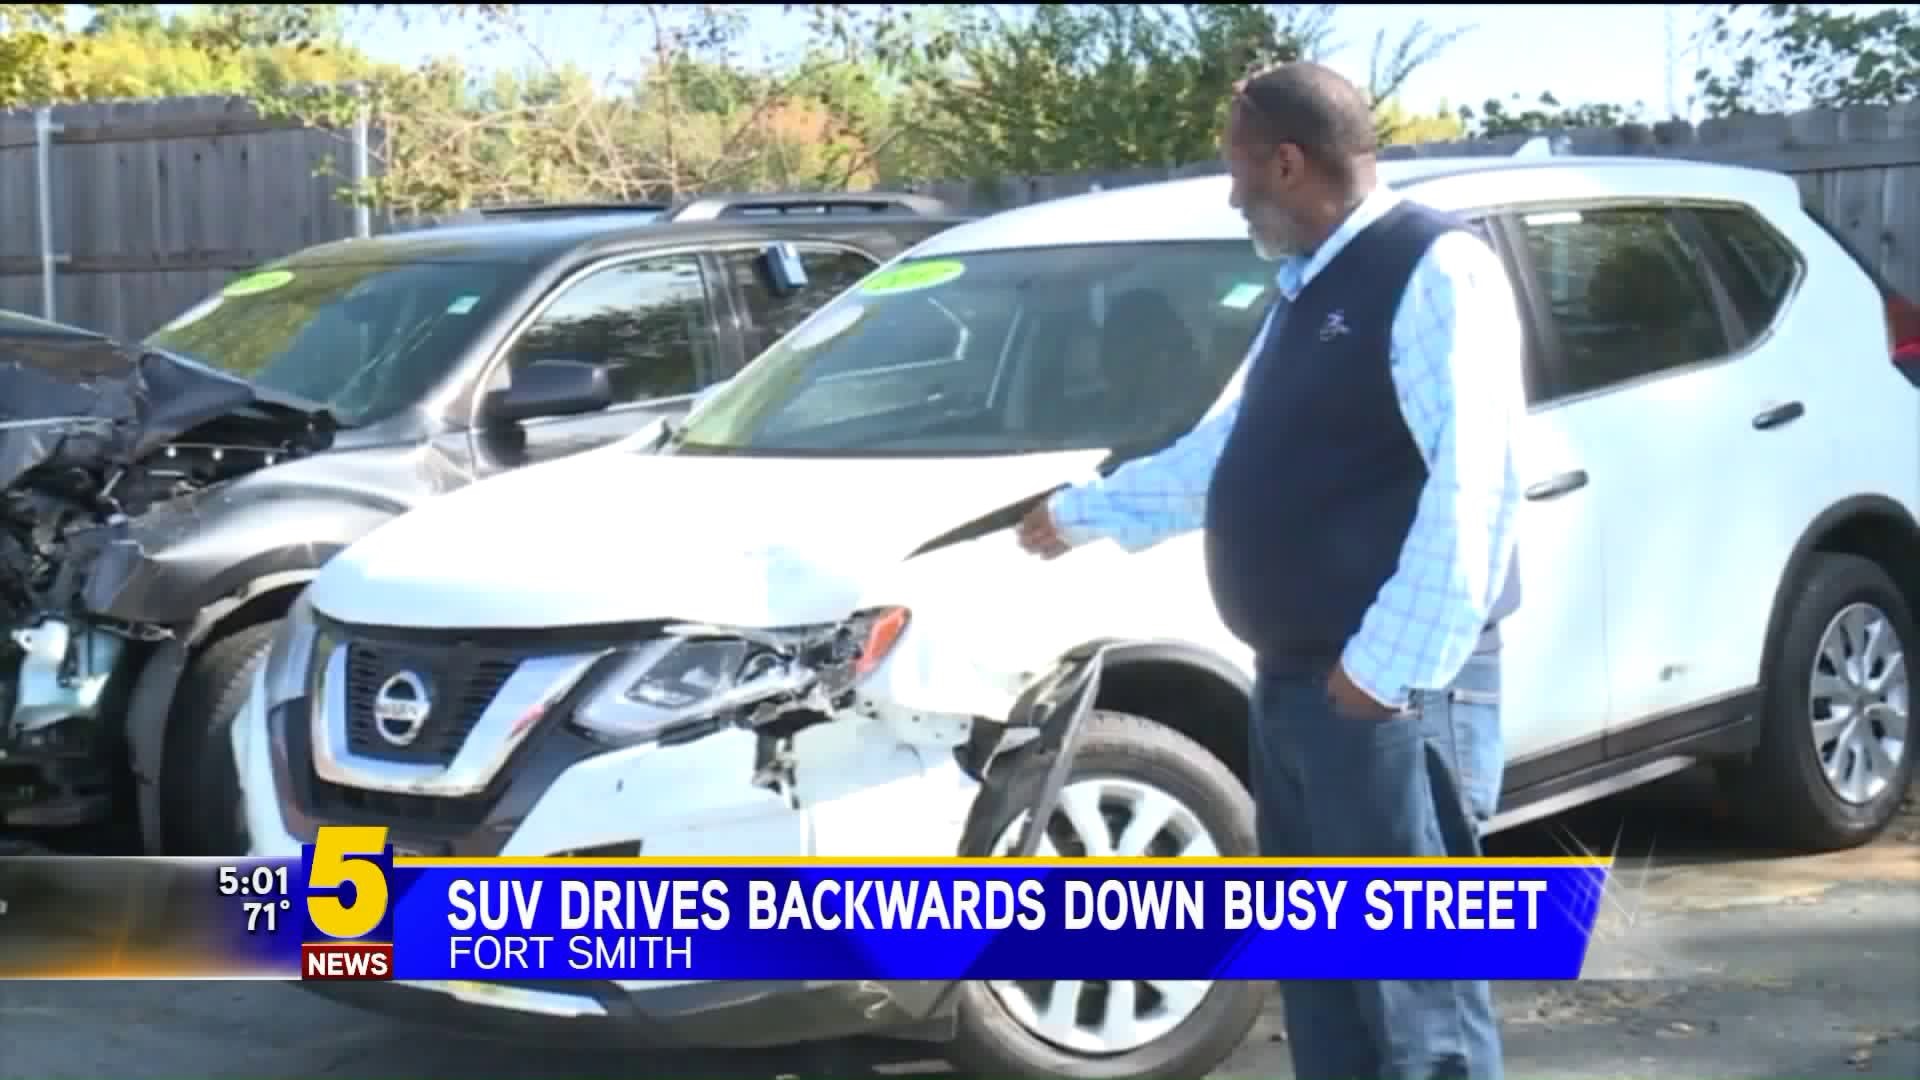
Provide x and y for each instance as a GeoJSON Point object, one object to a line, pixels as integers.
{"type": "Point", "coordinates": [255, 284]}
{"type": "Point", "coordinates": [1242, 296]}
{"type": "Point", "coordinates": [913, 277]}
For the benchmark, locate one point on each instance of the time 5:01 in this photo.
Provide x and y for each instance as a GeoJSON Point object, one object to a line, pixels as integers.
{"type": "Point", "coordinates": [260, 881]}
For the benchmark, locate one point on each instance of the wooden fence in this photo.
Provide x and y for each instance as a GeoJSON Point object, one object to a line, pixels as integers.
{"type": "Point", "coordinates": [155, 203]}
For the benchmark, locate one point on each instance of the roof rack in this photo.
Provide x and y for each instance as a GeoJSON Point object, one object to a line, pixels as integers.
{"type": "Point", "coordinates": [1545, 146]}
{"type": "Point", "coordinates": [544, 211]}
{"type": "Point", "coordinates": [839, 204]}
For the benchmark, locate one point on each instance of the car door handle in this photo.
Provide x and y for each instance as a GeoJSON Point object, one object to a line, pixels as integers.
{"type": "Point", "coordinates": [1558, 486]}
{"type": "Point", "coordinates": [1779, 416]}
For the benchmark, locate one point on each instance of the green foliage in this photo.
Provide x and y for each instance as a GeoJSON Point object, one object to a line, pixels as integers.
{"type": "Point", "coordinates": [875, 94]}
{"type": "Point", "coordinates": [1793, 56]}
{"type": "Point", "coordinates": [1397, 126]}
{"type": "Point", "coordinates": [137, 51]}
{"type": "Point", "coordinates": [33, 53]}
{"type": "Point", "coordinates": [1545, 113]}
{"type": "Point", "coordinates": [1055, 88]}
{"type": "Point", "coordinates": [133, 51]}
{"type": "Point", "coordinates": [1388, 70]}
{"type": "Point", "coordinates": [693, 116]}
{"type": "Point", "coordinates": [1033, 89]}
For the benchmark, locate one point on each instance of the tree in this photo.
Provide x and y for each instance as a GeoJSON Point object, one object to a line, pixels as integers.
{"type": "Point", "coordinates": [1400, 127]}
{"type": "Point", "coordinates": [1791, 56]}
{"type": "Point", "coordinates": [1055, 88]}
{"type": "Point", "coordinates": [1389, 68]}
{"type": "Point", "coordinates": [135, 51]}
{"type": "Point", "coordinates": [1545, 113]}
{"type": "Point", "coordinates": [692, 116]}
{"type": "Point", "coordinates": [33, 53]}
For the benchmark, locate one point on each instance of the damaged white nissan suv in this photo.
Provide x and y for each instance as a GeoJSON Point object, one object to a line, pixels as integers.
{"type": "Point", "coordinates": [800, 625]}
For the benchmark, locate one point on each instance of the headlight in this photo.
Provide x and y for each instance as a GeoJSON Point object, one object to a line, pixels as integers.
{"type": "Point", "coordinates": [291, 652]}
{"type": "Point", "coordinates": [686, 673]}
{"type": "Point", "coordinates": [674, 681]}
{"type": "Point", "coordinates": [699, 674]}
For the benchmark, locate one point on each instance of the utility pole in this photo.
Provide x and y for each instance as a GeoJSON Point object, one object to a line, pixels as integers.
{"type": "Point", "coordinates": [1673, 61]}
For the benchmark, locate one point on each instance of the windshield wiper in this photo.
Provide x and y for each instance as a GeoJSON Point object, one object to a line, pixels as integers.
{"type": "Point", "coordinates": [671, 433]}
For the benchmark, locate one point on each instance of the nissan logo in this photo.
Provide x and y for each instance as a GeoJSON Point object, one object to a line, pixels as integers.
{"type": "Point", "coordinates": [400, 708]}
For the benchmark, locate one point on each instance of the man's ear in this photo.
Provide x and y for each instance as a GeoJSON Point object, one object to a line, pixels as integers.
{"type": "Point", "coordinates": [1290, 163]}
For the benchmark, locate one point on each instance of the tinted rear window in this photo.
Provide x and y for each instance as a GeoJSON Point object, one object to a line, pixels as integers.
{"type": "Point", "coordinates": [1758, 267]}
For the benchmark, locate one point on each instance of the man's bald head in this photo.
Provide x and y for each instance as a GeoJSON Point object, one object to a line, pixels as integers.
{"type": "Point", "coordinates": [1310, 106]}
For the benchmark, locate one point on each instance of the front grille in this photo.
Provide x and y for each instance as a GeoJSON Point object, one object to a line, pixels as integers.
{"type": "Point", "coordinates": [462, 681]}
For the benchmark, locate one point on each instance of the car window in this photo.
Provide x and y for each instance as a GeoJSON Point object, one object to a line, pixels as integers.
{"type": "Point", "coordinates": [830, 271]}
{"type": "Point", "coordinates": [364, 339]}
{"type": "Point", "coordinates": [1758, 266]}
{"type": "Point", "coordinates": [1625, 294]}
{"type": "Point", "coordinates": [1016, 351]}
{"type": "Point", "coordinates": [647, 321]}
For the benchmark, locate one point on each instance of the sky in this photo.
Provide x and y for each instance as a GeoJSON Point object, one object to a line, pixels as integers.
{"type": "Point", "coordinates": [1582, 53]}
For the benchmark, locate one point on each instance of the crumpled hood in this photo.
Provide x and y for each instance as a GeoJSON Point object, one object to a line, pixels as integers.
{"type": "Point", "coordinates": [618, 537]}
{"type": "Point", "coordinates": [75, 398]}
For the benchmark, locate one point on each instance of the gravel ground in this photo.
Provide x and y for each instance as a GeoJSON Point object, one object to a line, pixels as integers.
{"type": "Point", "coordinates": [1707, 964]}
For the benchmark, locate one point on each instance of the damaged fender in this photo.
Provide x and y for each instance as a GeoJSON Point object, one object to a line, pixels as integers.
{"type": "Point", "coordinates": [985, 627]}
{"type": "Point", "coordinates": [196, 563]}
{"type": "Point", "coordinates": [169, 566]}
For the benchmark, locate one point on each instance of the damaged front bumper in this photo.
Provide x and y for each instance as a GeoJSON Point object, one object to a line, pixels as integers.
{"type": "Point", "coordinates": [566, 797]}
{"type": "Point", "coordinates": [53, 773]}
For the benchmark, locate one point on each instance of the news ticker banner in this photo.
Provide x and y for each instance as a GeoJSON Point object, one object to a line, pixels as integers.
{"type": "Point", "coordinates": [349, 909]}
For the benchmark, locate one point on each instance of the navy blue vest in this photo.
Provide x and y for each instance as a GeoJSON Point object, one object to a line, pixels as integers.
{"type": "Point", "coordinates": [1317, 486]}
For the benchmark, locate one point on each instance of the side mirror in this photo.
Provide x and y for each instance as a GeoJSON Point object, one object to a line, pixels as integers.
{"type": "Point", "coordinates": [786, 274]}
{"type": "Point", "coordinates": [549, 388]}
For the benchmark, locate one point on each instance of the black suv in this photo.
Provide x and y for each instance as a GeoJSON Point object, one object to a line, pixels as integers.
{"type": "Point", "coordinates": [147, 551]}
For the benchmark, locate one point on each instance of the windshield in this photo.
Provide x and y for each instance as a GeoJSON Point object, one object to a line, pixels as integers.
{"type": "Point", "coordinates": [1006, 352]}
{"type": "Point", "coordinates": [365, 339]}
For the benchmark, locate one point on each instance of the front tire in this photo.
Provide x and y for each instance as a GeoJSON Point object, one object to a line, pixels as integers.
{"type": "Point", "coordinates": [199, 783]}
{"type": "Point", "coordinates": [1136, 788]}
{"type": "Point", "coordinates": [1836, 754]}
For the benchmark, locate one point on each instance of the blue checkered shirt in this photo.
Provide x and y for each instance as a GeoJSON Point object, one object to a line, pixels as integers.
{"type": "Point", "coordinates": [1457, 348]}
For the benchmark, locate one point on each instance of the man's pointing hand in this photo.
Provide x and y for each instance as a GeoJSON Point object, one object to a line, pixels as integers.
{"type": "Point", "coordinates": [1040, 535]}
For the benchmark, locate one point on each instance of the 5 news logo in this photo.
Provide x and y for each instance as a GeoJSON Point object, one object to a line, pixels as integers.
{"type": "Point", "coordinates": [349, 924]}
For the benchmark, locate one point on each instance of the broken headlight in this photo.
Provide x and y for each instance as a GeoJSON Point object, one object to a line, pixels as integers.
{"type": "Point", "coordinates": [700, 674]}
{"type": "Point", "coordinates": [666, 684]}
{"type": "Point", "coordinates": [687, 674]}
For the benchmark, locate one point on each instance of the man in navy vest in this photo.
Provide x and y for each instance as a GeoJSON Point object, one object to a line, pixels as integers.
{"type": "Point", "coordinates": [1358, 493]}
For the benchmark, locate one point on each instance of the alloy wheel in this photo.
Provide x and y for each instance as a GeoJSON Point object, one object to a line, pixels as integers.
{"type": "Point", "coordinates": [1104, 817]}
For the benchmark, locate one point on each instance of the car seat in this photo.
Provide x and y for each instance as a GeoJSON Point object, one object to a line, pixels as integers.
{"type": "Point", "coordinates": [1643, 315]}
{"type": "Point", "coordinates": [1064, 365]}
{"type": "Point", "coordinates": [1153, 369]}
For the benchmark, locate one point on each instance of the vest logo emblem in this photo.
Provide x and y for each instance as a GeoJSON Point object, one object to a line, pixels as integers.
{"type": "Point", "coordinates": [1335, 326]}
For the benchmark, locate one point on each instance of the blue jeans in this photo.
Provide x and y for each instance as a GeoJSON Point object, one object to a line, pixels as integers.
{"type": "Point", "coordinates": [1417, 784]}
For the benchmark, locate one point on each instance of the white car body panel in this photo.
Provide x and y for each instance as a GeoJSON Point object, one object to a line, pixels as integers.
{"type": "Point", "coordinates": [702, 528]}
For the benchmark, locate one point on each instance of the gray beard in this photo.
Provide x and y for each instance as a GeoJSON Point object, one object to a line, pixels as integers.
{"type": "Point", "coordinates": [1268, 252]}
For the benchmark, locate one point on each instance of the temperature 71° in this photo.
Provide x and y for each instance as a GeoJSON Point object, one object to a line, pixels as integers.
{"type": "Point", "coordinates": [264, 914]}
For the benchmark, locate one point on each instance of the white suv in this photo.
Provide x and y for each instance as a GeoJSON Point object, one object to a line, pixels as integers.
{"type": "Point", "coordinates": [800, 624]}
